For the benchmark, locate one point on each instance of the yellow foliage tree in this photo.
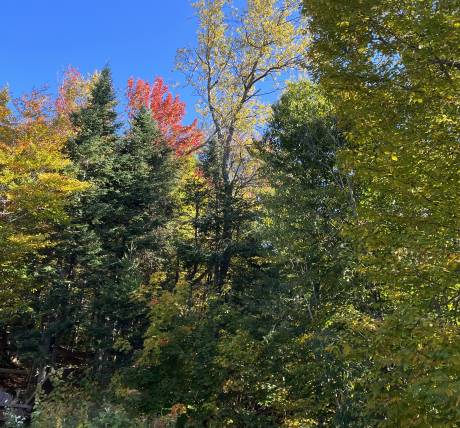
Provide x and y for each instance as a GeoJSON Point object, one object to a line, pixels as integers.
{"type": "Point", "coordinates": [34, 187]}
{"type": "Point", "coordinates": [239, 54]}
{"type": "Point", "coordinates": [392, 70]}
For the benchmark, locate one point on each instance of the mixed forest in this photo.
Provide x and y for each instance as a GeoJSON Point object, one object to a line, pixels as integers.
{"type": "Point", "coordinates": [290, 263]}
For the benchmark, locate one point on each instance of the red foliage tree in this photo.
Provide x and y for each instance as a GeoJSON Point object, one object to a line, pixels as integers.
{"type": "Point", "coordinates": [72, 92]}
{"type": "Point", "coordinates": [168, 112]}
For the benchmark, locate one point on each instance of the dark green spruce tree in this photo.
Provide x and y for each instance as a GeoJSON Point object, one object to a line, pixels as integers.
{"type": "Point", "coordinates": [134, 235]}
{"type": "Point", "coordinates": [74, 269]}
{"type": "Point", "coordinates": [92, 312]}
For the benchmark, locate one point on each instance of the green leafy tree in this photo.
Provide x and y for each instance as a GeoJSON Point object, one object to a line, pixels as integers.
{"type": "Point", "coordinates": [309, 198]}
{"type": "Point", "coordinates": [391, 69]}
{"type": "Point", "coordinates": [308, 202]}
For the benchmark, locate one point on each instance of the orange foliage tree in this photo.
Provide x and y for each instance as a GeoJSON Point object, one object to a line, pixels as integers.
{"type": "Point", "coordinates": [168, 111]}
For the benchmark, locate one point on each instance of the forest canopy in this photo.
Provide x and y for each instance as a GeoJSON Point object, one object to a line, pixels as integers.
{"type": "Point", "coordinates": [270, 264]}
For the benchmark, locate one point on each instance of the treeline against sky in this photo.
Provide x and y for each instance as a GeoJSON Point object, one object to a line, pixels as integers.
{"type": "Point", "coordinates": [293, 265]}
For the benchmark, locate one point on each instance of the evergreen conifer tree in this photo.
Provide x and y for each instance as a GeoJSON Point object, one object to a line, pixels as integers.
{"type": "Point", "coordinates": [109, 247]}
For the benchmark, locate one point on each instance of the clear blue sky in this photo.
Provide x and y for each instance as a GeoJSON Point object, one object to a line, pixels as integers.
{"type": "Point", "coordinates": [139, 38]}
